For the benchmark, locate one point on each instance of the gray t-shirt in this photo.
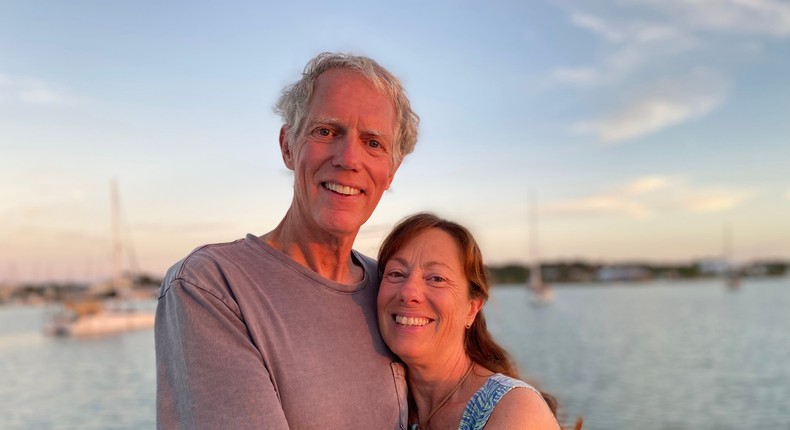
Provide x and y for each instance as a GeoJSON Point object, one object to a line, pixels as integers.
{"type": "Point", "coordinates": [248, 338]}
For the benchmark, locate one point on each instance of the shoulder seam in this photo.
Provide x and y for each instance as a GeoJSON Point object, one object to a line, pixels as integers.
{"type": "Point", "coordinates": [207, 291]}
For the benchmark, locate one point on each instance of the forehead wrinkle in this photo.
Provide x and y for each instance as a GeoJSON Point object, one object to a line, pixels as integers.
{"type": "Point", "coordinates": [399, 260]}
{"type": "Point", "coordinates": [325, 120]}
{"type": "Point", "coordinates": [429, 264]}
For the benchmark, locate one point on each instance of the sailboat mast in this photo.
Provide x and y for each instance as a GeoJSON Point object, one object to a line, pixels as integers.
{"type": "Point", "coordinates": [116, 234]}
{"type": "Point", "coordinates": [535, 278]}
{"type": "Point", "coordinates": [727, 245]}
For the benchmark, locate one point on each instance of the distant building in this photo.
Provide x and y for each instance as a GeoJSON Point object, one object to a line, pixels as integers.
{"type": "Point", "coordinates": [622, 273]}
{"type": "Point", "coordinates": [713, 267]}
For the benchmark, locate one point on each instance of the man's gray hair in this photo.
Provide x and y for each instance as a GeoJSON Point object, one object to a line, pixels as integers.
{"type": "Point", "coordinates": [293, 103]}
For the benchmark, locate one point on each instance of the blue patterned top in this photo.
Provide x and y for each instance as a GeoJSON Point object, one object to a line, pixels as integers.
{"type": "Point", "coordinates": [481, 405]}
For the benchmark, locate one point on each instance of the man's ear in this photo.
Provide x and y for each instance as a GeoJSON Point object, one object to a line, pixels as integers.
{"type": "Point", "coordinates": [392, 175]}
{"type": "Point", "coordinates": [285, 148]}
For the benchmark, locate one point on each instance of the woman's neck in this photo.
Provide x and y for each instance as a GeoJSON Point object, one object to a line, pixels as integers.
{"type": "Point", "coordinates": [439, 388]}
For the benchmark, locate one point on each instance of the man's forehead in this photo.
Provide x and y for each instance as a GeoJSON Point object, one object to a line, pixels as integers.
{"type": "Point", "coordinates": [343, 89]}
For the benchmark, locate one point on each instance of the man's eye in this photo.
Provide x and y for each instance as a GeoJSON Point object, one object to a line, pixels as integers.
{"type": "Point", "coordinates": [374, 144]}
{"type": "Point", "coordinates": [324, 132]}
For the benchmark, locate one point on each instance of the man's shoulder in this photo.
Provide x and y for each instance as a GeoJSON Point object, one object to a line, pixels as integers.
{"type": "Point", "coordinates": [209, 256]}
{"type": "Point", "coordinates": [203, 263]}
{"type": "Point", "coordinates": [370, 266]}
{"type": "Point", "coordinates": [368, 263]}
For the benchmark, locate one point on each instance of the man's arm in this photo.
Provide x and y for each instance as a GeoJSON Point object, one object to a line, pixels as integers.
{"type": "Point", "coordinates": [209, 374]}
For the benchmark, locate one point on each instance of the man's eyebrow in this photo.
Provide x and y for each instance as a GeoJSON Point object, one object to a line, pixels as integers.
{"type": "Point", "coordinates": [325, 120]}
{"type": "Point", "coordinates": [377, 133]}
{"type": "Point", "coordinates": [374, 132]}
{"type": "Point", "coordinates": [337, 123]}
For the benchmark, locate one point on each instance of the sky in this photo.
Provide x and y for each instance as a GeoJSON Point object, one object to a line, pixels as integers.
{"type": "Point", "coordinates": [634, 129]}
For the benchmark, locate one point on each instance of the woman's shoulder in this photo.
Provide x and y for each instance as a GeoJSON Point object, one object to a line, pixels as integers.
{"type": "Point", "coordinates": [498, 381]}
{"type": "Point", "coordinates": [519, 408]}
{"type": "Point", "coordinates": [502, 403]}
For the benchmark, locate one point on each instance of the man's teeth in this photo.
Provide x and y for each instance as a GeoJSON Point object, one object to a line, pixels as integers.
{"type": "Point", "coordinates": [341, 189]}
{"type": "Point", "coordinates": [412, 321]}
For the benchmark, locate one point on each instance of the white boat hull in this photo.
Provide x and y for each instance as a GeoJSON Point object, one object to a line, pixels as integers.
{"type": "Point", "coordinates": [102, 323]}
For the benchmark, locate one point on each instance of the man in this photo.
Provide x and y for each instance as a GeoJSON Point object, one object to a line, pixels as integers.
{"type": "Point", "coordinates": [280, 331]}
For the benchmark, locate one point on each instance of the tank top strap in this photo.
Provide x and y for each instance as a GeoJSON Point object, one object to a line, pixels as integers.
{"type": "Point", "coordinates": [480, 407]}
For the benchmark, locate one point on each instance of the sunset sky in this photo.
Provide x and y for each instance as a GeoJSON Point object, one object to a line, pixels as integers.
{"type": "Point", "coordinates": [644, 128]}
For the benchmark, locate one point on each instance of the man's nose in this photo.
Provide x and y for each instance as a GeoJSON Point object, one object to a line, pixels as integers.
{"type": "Point", "coordinates": [347, 153]}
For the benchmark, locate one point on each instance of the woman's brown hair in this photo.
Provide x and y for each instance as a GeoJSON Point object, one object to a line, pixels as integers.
{"type": "Point", "coordinates": [479, 343]}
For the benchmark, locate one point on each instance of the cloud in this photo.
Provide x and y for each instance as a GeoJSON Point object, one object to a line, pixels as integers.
{"type": "Point", "coordinates": [598, 205]}
{"type": "Point", "coordinates": [761, 17]}
{"type": "Point", "coordinates": [647, 116]}
{"type": "Point", "coordinates": [630, 47]}
{"type": "Point", "coordinates": [666, 104]}
{"type": "Point", "coordinates": [627, 199]}
{"type": "Point", "coordinates": [180, 227]}
{"type": "Point", "coordinates": [30, 91]}
{"type": "Point", "coordinates": [44, 207]}
{"type": "Point", "coordinates": [646, 196]}
{"type": "Point", "coordinates": [40, 196]}
{"type": "Point", "coordinates": [597, 26]}
{"type": "Point", "coordinates": [580, 76]}
{"type": "Point", "coordinates": [41, 96]}
{"type": "Point", "coordinates": [675, 27]}
{"type": "Point", "coordinates": [714, 200]}
{"type": "Point", "coordinates": [646, 185]}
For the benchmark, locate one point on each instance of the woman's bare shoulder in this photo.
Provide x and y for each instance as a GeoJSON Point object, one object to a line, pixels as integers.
{"type": "Point", "coordinates": [522, 408]}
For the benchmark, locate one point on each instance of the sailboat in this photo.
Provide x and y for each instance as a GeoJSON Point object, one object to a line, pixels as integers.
{"type": "Point", "coordinates": [731, 274]}
{"type": "Point", "coordinates": [542, 294]}
{"type": "Point", "coordinates": [92, 316]}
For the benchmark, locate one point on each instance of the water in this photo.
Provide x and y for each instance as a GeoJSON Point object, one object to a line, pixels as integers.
{"type": "Point", "coordinates": [63, 383]}
{"type": "Point", "coordinates": [651, 356]}
{"type": "Point", "coordinates": [657, 356]}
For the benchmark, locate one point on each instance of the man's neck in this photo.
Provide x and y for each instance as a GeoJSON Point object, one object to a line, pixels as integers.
{"type": "Point", "coordinates": [326, 255]}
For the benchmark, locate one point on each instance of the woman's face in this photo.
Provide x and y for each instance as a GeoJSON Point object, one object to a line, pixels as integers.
{"type": "Point", "coordinates": [424, 302]}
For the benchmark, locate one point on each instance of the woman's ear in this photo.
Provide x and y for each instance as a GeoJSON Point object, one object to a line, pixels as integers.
{"type": "Point", "coordinates": [474, 307]}
{"type": "Point", "coordinates": [286, 148]}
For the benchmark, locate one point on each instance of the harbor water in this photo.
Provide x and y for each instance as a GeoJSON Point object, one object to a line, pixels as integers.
{"type": "Point", "coordinates": [676, 355]}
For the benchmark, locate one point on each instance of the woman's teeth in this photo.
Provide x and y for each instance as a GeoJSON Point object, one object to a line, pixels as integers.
{"type": "Point", "coordinates": [411, 321]}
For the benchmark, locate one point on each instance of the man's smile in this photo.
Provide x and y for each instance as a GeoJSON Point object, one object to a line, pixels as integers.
{"type": "Point", "coordinates": [341, 189]}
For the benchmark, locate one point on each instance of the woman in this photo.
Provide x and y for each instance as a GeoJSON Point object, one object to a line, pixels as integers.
{"type": "Point", "coordinates": [433, 287]}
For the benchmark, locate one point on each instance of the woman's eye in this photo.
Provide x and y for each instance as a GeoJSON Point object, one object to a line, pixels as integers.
{"type": "Point", "coordinates": [395, 274]}
{"type": "Point", "coordinates": [436, 278]}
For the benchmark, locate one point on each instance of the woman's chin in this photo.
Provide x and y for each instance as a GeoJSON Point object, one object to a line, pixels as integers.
{"type": "Point", "coordinates": [407, 354]}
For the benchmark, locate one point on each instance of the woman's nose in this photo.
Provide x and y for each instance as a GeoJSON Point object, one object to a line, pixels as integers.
{"type": "Point", "coordinates": [411, 290]}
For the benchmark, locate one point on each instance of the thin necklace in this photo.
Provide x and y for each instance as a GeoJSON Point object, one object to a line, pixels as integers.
{"type": "Point", "coordinates": [446, 398]}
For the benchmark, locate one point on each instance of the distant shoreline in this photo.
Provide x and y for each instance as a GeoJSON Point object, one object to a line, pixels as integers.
{"type": "Point", "coordinates": [585, 272]}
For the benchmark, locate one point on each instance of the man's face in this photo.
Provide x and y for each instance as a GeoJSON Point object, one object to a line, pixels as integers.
{"type": "Point", "coordinates": [342, 160]}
